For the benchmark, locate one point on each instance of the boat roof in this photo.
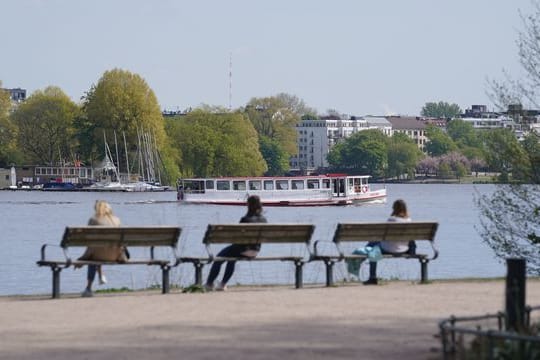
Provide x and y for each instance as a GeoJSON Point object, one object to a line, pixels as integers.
{"type": "Point", "coordinates": [300, 177]}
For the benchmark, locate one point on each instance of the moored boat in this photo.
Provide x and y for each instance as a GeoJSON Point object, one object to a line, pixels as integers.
{"type": "Point", "coordinates": [319, 190]}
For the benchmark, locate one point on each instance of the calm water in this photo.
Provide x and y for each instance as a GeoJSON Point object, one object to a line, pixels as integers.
{"type": "Point", "coordinates": [30, 219]}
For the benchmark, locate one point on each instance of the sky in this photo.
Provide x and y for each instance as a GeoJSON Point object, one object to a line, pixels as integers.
{"type": "Point", "coordinates": [358, 57]}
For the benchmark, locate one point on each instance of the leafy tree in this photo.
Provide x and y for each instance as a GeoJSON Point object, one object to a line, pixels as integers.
{"type": "Point", "coordinates": [510, 223]}
{"type": "Point", "coordinates": [122, 104]}
{"type": "Point", "coordinates": [403, 155]}
{"type": "Point", "coordinates": [456, 163]}
{"type": "Point", "coordinates": [439, 142]}
{"type": "Point", "coordinates": [509, 217]}
{"type": "Point", "coordinates": [427, 166]}
{"type": "Point", "coordinates": [506, 155]}
{"type": "Point", "coordinates": [8, 132]}
{"type": "Point", "coordinates": [365, 152]}
{"type": "Point", "coordinates": [45, 126]}
{"type": "Point", "coordinates": [216, 144]}
{"type": "Point", "coordinates": [275, 119]}
{"type": "Point", "coordinates": [441, 110]}
{"type": "Point", "coordinates": [276, 159]}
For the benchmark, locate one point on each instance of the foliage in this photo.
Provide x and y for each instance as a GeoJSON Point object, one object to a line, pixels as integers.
{"type": "Point", "coordinates": [122, 104]}
{"type": "Point", "coordinates": [441, 110]}
{"type": "Point", "coordinates": [45, 126]}
{"type": "Point", "coordinates": [439, 142]}
{"type": "Point", "coordinates": [510, 223]}
{"type": "Point", "coordinates": [403, 155]}
{"type": "Point", "coordinates": [365, 152]}
{"type": "Point", "coordinates": [216, 144]}
{"type": "Point", "coordinates": [8, 132]}
{"type": "Point", "coordinates": [276, 159]}
{"type": "Point", "coordinates": [506, 155]}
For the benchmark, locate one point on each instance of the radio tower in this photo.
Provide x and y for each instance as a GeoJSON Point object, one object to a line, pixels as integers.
{"type": "Point", "coordinates": [230, 81]}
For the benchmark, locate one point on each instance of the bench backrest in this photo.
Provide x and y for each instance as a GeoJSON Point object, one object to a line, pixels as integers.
{"type": "Point", "coordinates": [386, 231]}
{"type": "Point", "coordinates": [245, 234]}
{"type": "Point", "coordinates": [131, 236]}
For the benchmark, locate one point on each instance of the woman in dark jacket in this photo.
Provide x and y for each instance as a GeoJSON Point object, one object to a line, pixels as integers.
{"type": "Point", "coordinates": [254, 215]}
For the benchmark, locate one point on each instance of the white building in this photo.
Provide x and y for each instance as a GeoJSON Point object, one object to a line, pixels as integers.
{"type": "Point", "coordinates": [500, 121]}
{"type": "Point", "coordinates": [316, 138]}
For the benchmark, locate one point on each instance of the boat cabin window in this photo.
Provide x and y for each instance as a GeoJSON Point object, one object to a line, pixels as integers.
{"type": "Point", "coordinates": [297, 184]}
{"type": "Point", "coordinates": [209, 184]}
{"type": "Point", "coordinates": [313, 183]}
{"type": "Point", "coordinates": [254, 185]}
{"type": "Point", "coordinates": [239, 185]}
{"type": "Point", "coordinates": [223, 185]}
{"type": "Point", "coordinates": [326, 183]}
{"type": "Point", "coordinates": [282, 184]}
{"type": "Point", "coordinates": [194, 186]}
{"type": "Point", "coordinates": [268, 185]}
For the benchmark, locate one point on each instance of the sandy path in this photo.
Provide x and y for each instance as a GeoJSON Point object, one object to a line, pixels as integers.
{"type": "Point", "coordinates": [395, 320]}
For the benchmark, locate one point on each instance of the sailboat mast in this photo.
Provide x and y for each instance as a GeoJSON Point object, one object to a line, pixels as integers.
{"type": "Point", "coordinates": [127, 158]}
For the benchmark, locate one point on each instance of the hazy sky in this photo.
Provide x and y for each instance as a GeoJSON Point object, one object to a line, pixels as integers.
{"type": "Point", "coordinates": [358, 57]}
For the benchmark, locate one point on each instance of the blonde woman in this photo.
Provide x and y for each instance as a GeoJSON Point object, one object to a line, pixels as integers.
{"type": "Point", "coordinates": [103, 216]}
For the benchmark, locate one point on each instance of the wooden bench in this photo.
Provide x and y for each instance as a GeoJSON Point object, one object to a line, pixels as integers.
{"type": "Point", "coordinates": [385, 231]}
{"type": "Point", "coordinates": [249, 234]}
{"type": "Point", "coordinates": [99, 236]}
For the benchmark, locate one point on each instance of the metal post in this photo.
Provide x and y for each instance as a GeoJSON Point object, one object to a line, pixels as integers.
{"type": "Point", "coordinates": [165, 279]}
{"type": "Point", "coordinates": [329, 273]}
{"type": "Point", "coordinates": [198, 272]}
{"type": "Point", "coordinates": [299, 278]}
{"type": "Point", "coordinates": [56, 282]}
{"type": "Point", "coordinates": [515, 294]}
{"type": "Point", "coordinates": [423, 271]}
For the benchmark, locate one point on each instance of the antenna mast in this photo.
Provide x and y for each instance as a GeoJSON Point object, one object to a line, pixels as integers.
{"type": "Point", "coordinates": [230, 81]}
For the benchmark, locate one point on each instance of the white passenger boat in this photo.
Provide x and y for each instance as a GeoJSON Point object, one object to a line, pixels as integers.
{"type": "Point", "coordinates": [330, 189]}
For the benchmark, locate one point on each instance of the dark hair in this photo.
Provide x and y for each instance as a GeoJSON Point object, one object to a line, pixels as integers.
{"type": "Point", "coordinates": [254, 205]}
{"type": "Point", "coordinates": [399, 209]}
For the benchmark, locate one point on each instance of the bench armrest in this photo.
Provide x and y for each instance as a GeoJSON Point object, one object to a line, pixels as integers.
{"type": "Point", "coordinates": [317, 244]}
{"type": "Point", "coordinates": [67, 259]}
{"type": "Point", "coordinates": [435, 251]}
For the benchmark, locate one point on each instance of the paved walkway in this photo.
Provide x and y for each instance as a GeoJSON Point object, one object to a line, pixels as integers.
{"type": "Point", "coordinates": [395, 320]}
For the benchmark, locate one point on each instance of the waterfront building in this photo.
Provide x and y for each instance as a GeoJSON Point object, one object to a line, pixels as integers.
{"type": "Point", "coordinates": [412, 126]}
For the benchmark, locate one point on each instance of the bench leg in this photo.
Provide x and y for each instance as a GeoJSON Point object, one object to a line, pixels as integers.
{"type": "Point", "coordinates": [165, 283]}
{"type": "Point", "coordinates": [198, 272]}
{"type": "Point", "coordinates": [299, 281]}
{"type": "Point", "coordinates": [329, 272]}
{"type": "Point", "coordinates": [56, 282]}
{"type": "Point", "coordinates": [423, 271]}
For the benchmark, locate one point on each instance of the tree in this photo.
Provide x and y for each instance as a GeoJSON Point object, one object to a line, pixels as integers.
{"type": "Point", "coordinates": [276, 159]}
{"type": "Point", "coordinates": [403, 155]}
{"type": "Point", "coordinates": [510, 223]}
{"type": "Point", "coordinates": [441, 110]}
{"type": "Point", "coordinates": [506, 155]}
{"type": "Point", "coordinates": [275, 119]}
{"type": "Point", "coordinates": [365, 152]}
{"type": "Point", "coordinates": [509, 217]}
{"type": "Point", "coordinates": [45, 126]}
{"type": "Point", "coordinates": [122, 103]}
{"type": "Point", "coordinates": [214, 144]}
{"type": "Point", "coordinates": [439, 142]}
{"type": "Point", "coordinates": [8, 132]}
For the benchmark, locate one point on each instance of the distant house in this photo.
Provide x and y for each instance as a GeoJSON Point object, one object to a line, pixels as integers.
{"type": "Point", "coordinates": [411, 126]}
{"type": "Point", "coordinates": [17, 95]}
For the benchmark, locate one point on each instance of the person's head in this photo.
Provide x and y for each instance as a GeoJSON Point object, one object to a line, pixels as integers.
{"type": "Point", "coordinates": [102, 208]}
{"type": "Point", "coordinates": [254, 205]}
{"type": "Point", "coordinates": [399, 209]}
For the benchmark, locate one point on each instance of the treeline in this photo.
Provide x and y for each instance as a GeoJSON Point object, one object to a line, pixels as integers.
{"type": "Point", "coordinates": [50, 129]}
{"type": "Point", "coordinates": [256, 139]}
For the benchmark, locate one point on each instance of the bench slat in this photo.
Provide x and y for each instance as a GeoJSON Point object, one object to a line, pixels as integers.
{"type": "Point", "coordinates": [121, 236]}
{"type": "Point", "coordinates": [245, 234]}
{"type": "Point", "coordinates": [389, 231]}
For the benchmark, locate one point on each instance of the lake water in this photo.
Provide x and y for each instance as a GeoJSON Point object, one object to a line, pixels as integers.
{"type": "Point", "coordinates": [29, 219]}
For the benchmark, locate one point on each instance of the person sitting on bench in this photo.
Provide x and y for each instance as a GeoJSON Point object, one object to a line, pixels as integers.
{"type": "Point", "coordinates": [254, 215]}
{"type": "Point", "coordinates": [399, 214]}
{"type": "Point", "coordinates": [103, 216]}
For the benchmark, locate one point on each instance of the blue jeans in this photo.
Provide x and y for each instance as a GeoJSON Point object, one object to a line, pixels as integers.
{"type": "Point", "coordinates": [229, 251]}
{"type": "Point", "coordinates": [91, 274]}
